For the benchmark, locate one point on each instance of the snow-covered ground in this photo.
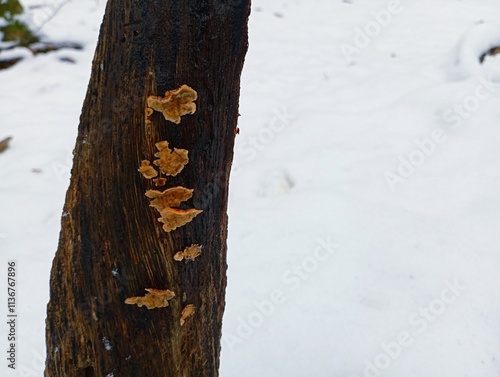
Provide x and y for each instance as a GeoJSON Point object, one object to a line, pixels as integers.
{"type": "Point", "coordinates": [364, 206]}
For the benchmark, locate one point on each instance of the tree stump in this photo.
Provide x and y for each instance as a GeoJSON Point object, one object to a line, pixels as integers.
{"type": "Point", "coordinates": [111, 245]}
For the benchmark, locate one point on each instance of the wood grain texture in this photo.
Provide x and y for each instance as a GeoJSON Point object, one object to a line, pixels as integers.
{"type": "Point", "coordinates": [111, 245]}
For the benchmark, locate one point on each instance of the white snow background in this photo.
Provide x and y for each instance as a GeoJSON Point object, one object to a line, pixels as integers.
{"type": "Point", "coordinates": [364, 201]}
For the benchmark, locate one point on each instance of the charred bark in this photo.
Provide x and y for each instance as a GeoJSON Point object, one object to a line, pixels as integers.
{"type": "Point", "coordinates": [111, 245]}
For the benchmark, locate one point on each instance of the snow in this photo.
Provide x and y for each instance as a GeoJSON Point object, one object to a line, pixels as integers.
{"type": "Point", "coordinates": [107, 344]}
{"type": "Point", "coordinates": [364, 198]}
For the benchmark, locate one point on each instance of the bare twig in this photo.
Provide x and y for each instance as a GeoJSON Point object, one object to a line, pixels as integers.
{"type": "Point", "coordinates": [491, 52]}
{"type": "Point", "coordinates": [4, 144]}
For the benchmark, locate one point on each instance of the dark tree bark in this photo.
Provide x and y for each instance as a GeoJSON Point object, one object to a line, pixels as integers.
{"type": "Point", "coordinates": [111, 245]}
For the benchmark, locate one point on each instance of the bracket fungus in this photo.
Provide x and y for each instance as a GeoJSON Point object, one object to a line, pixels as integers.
{"type": "Point", "coordinates": [172, 197]}
{"type": "Point", "coordinates": [147, 170]}
{"type": "Point", "coordinates": [171, 162]}
{"type": "Point", "coordinates": [175, 104]}
{"type": "Point", "coordinates": [188, 311]}
{"type": "Point", "coordinates": [189, 253]}
{"type": "Point", "coordinates": [160, 182]}
{"type": "Point", "coordinates": [173, 218]}
{"type": "Point", "coordinates": [155, 298]}
{"type": "Point", "coordinates": [164, 201]}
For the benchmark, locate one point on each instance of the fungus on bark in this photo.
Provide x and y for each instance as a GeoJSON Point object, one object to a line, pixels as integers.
{"type": "Point", "coordinates": [172, 197]}
{"type": "Point", "coordinates": [155, 298]}
{"type": "Point", "coordinates": [147, 170]}
{"type": "Point", "coordinates": [175, 104]}
{"type": "Point", "coordinates": [160, 182]}
{"type": "Point", "coordinates": [188, 311]}
{"type": "Point", "coordinates": [171, 162]}
{"type": "Point", "coordinates": [173, 218]}
{"type": "Point", "coordinates": [165, 203]}
{"type": "Point", "coordinates": [189, 253]}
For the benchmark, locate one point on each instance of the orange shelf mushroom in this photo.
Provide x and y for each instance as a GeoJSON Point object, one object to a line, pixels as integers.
{"type": "Point", "coordinates": [175, 104]}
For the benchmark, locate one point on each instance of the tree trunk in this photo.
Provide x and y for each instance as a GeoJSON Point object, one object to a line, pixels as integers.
{"type": "Point", "coordinates": [112, 246]}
